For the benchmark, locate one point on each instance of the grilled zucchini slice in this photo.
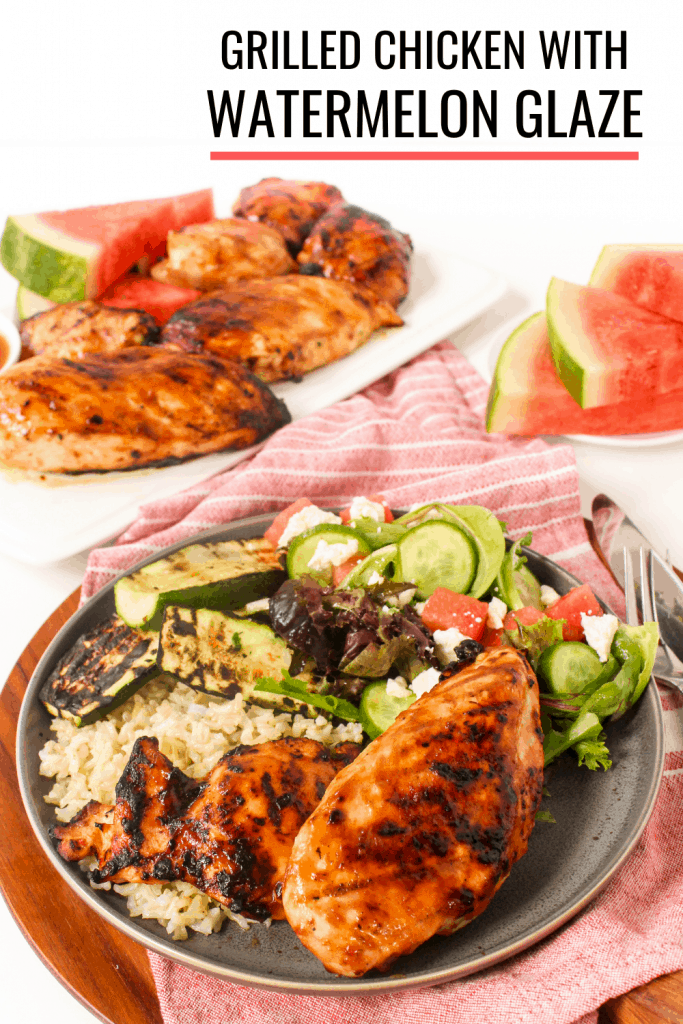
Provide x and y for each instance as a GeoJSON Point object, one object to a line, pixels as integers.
{"type": "Point", "coordinates": [102, 670]}
{"type": "Point", "coordinates": [227, 574]}
{"type": "Point", "coordinates": [224, 655]}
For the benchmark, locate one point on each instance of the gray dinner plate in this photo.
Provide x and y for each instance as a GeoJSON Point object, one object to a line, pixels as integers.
{"type": "Point", "coordinates": [599, 818]}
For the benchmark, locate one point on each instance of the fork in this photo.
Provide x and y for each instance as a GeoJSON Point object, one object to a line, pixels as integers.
{"type": "Point", "coordinates": [668, 668]}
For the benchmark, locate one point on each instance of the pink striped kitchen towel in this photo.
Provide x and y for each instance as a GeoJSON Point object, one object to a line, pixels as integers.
{"type": "Point", "coordinates": [417, 435]}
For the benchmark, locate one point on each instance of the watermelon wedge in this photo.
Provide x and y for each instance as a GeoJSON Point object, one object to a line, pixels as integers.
{"type": "Point", "coordinates": [527, 398]}
{"type": "Point", "coordinates": [608, 350]}
{"type": "Point", "coordinates": [75, 254]}
{"type": "Point", "coordinates": [132, 291]}
{"type": "Point", "coordinates": [28, 303]}
{"type": "Point", "coordinates": [649, 275]}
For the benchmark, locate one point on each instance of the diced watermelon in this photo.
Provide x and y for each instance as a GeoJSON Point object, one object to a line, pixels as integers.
{"type": "Point", "coordinates": [527, 397]}
{"type": "Point", "coordinates": [608, 350]}
{"type": "Point", "coordinates": [444, 609]}
{"type": "Point", "coordinates": [649, 275]}
{"type": "Point", "coordinates": [75, 254]}
{"type": "Point", "coordinates": [526, 616]}
{"type": "Point", "coordinates": [345, 514]}
{"type": "Point", "coordinates": [491, 637]}
{"type": "Point", "coordinates": [132, 291]}
{"type": "Point", "coordinates": [277, 528]}
{"type": "Point", "coordinates": [340, 572]}
{"type": "Point", "coordinates": [569, 608]}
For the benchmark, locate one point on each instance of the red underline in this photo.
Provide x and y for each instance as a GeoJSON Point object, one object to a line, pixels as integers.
{"type": "Point", "coordinates": [424, 155]}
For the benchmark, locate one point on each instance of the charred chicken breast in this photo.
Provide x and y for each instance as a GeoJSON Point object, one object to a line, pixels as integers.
{"type": "Point", "coordinates": [139, 407]}
{"type": "Point", "coordinates": [350, 244]}
{"type": "Point", "coordinates": [212, 255]}
{"type": "Point", "coordinates": [414, 838]}
{"type": "Point", "coordinates": [280, 328]}
{"type": "Point", "coordinates": [72, 329]}
{"type": "Point", "coordinates": [291, 207]}
{"type": "Point", "coordinates": [229, 835]}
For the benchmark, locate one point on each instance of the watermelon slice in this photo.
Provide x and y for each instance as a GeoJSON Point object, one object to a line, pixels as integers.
{"type": "Point", "coordinates": [649, 275]}
{"type": "Point", "coordinates": [160, 300]}
{"type": "Point", "coordinates": [608, 350]}
{"type": "Point", "coordinates": [75, 254]}
{"type": "Point", "coordinates": [28, 303]}
{"type": "Point", "coordinates": [527, 398]}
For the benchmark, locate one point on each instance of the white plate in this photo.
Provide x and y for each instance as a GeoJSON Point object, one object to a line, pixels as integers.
{"type": "Point", "coordinates": [44, 522]}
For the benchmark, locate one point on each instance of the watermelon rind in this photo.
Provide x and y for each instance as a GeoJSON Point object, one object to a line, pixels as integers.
{"type": "Point", "coordinates": [571, 349]}
{"type": "Point", "coordinates": [510, 376]}
{"type": "Point", "coordinates": [44, 261]}
{"type": "Point", "coordinates": [29, 303]}
{"type": "Point", "coordinates": [611, 257]}
{"type": "Point", "coordinates": [649, 275]}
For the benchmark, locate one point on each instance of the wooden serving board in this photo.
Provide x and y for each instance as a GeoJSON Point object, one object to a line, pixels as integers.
{"type": "Point", "coordinates": [104, 974]}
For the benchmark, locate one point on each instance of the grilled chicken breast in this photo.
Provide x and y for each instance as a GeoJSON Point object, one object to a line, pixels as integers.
{"type": "Point", "coordinates": [291, 207]}
{"type": "Point", "coordinates": [415, 837]}
{"type": "Point", "coordinates": [350, 244]}
{"type": "Point", "coordinates": [230, 836]}
{"type": "Point", "coordinates": [74, 328]}
{"type": "Point", "coordinates": [280, 328]}
{"type": "Point", "coordinates": [212, 255]}
{"type": "Point", "coordinates": [140, 407]}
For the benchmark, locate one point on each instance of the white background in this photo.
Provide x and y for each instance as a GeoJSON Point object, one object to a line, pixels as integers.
{"type": "Point", "coordinates": [107, 102]}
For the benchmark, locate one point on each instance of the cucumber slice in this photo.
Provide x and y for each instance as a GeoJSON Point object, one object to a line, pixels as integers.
{"type": "Point", "coordinates": [437, 554]}
{"type": "Point", "coordinates": [573, 667]}
{"type": "Point", "coordinates": [382, 561]}
{"type": "Point", "coordinates": [378, 710]}
{"type": "Point", "coordinates": [515, 584]}
{"type": "Point", "coordinates": [303, 547]}
{"type": "Point", "coordinates": [225, 575]}
{"type": "Point", "coordinates": [489, 540]}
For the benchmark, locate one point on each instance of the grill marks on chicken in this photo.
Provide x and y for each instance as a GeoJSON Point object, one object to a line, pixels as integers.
{"type": "Point", "coordinates": [282, 327]}
{"type": "Point", "coordinates": [414, 838]}
{"type": "Point", "coordinates": [140, 407]}
{"type": "Point", "coordinates": [350, 244]}
{"type": "Point", "coordinates": [291, 207]}
{"type": "Point", "coordinates": [216, 254]}
{"type": "Point", "coordinates": [73, 329]}
{"type": "Point", "coordinates": [230, 835]}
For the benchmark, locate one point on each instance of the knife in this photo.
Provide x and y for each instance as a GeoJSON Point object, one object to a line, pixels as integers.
{"type": "Point", "coordinates": [614, 531]}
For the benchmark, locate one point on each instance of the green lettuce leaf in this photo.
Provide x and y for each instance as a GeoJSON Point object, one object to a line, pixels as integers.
{"type": "Point", "coordinates": [298, 690]}
{"type": "Point", "coordinates": [594, 753]}
{"type": "Point", "coordinates": [646, 639]}
{"type": "Point", "coordinates": [545, 816]}
{"type": "Point", "coordinates": [586, 727]}
{"type": "Point", "coordinates": [534, 639]}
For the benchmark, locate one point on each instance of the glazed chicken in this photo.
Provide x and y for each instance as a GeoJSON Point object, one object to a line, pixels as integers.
{"type": "Point", "coordinates": [282, 327]}
{"type": "Point", "coordinates": [414, 838]}
{"type": "Point", "coordinates": [291, 207]}
{"type": "Point", "coordinates": [74, 328]}
{"type": "Point", "coordinates": [139, 407]}
{"type": "Point", "coordinates": [216, 254]}
{"type": "Point", "coordinates": [230, 835]}
{"type": "Point", "coordinates": [350, 244]}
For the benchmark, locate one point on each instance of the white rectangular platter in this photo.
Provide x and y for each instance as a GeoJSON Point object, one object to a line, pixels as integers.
{"type": "Point", "coordinates": [42, 523]}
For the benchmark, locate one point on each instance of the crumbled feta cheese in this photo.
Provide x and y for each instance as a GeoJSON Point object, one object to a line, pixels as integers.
{"type": "Point", "coordinates": [420, 606]}
{"type": "Point", "coordinates": [327, 555]}
{"type": "Point", "coordinates": [363, 508]}
{"type": "Point", "coordinates": [402, 599]}
{"type": "Point", "coordinates": [548, 596]}
{"type": "Point", "coordinates": [309, 516]}
{"type": "Point", "coordinates": [397, 687]}
{"type": "Point", "coordinates": [445, 642]}
{"type": "Point", "coordinates": [425, 682]}
{"type": "Point", "coordinates": [262, 605]}
{"type": "Point", "coordinates": [599, 630]}
{"type": "Point", "coordinates": [375, 578]}
{"type": "Point", "coordinates": [497, 612]}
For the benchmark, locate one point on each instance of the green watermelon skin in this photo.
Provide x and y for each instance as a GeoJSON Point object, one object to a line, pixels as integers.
{"type": "Point", "coordinates": [607, 350]}
{"type": "Point", "coordinates": [526, 397]}
{"type": "Point", "coordinates": [69, 255]}
{"type": "Point", "coordinates": [649, 275]}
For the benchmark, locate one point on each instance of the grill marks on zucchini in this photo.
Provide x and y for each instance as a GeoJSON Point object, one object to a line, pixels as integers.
{"type": "Point", "coordinates": [103, 669]}
{"type": "Point", "coordinates": [223, 655]}
{"type": "Point", "coordinates": [227, 575]}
